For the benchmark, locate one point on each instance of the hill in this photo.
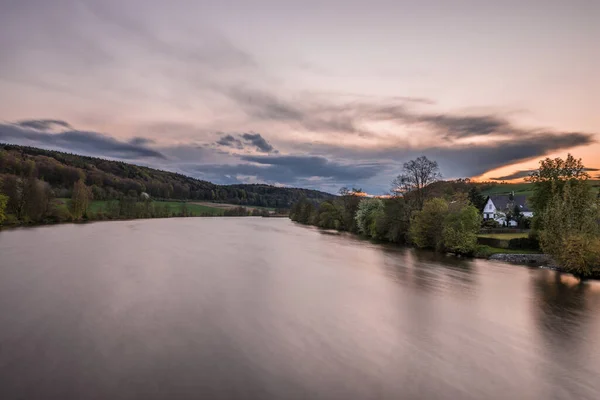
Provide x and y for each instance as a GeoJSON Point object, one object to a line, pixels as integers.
{"type": "Point", "coordinates": [524, 188]}
{"type": "Point", "coordinates": [113, 179]}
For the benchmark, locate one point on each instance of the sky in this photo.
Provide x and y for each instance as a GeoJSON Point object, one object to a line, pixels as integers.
{"type": "Point", "coordinates": [316, 94]}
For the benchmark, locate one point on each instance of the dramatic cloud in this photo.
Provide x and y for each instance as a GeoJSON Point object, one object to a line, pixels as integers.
{"type": "Point", "coordinates": [90, 143]}
{"type": "Point", "coordinates": [315, 165]}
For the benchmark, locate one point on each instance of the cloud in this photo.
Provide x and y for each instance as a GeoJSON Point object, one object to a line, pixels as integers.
{"type": "Point", "coordinates": [464, 160]}
{"type": "Point", "coordinates": [314, 114]}
{"type": "Point", "coordinates": [241, 141]}
{"type": "Point", "coordinates": [527, 172]}
{"type": "Point", "coordinates": [230, 141]}
{"type": "Point", "coordinates": [257, 140]}
{"type": "Point", "coordinates": [456, 126]}
{"type": "Point", "coordinates": [313, 166]}
{"type": "Point", "coordinates": [43, 124]}
{"type": "Point", "coordinates": [90, 143]}
{"type": "Point", "coordinates": [141, 141]}
{"type": "Point", "coordinates": [290, 170]}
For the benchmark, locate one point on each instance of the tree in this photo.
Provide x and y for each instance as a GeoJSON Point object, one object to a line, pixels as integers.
{"type": "Point", "coordinates": [476, 198]}
{"type": "Point", "coordinates": [416, 175]}
{"type": "Point", "coordinates": [366, 215]}
{"type": "Point", "coordinates": [427, 224]}
{"type": "Point", "coordinates": [461, 226]}
{"type": "Point", "coordinates": [302, 211]}
{"type": "Point", "coordinates": [38, 197]}
{"type": "Point", "coordinates": [14, 188]}
{"type": "Point", "coordinates": [395, 222]}
{"type": "Point", "coordinates": [80, 200]}
{"type": "Point", "coordinates": [3, 202]}
{"type": "Point", "coordinates": [349, 199]}
{"type": "Point", "coordinates": [571, 233]}
{"type": "Point", "coordinates": [331, 215]}
{"type": "Point", "coordinates": [550, 178]}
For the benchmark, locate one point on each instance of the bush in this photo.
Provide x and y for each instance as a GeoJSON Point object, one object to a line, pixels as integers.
{"type": "Point", "coordinates": [490, 223]}
{"type": "Point", "coordinates": [524, 243]}
{"type": "Point", "coordinates": [482, 251]}
{"type": "Point", "coordinates": [493, 242]}
{"type": "Point", "coordinates": [581, 255]}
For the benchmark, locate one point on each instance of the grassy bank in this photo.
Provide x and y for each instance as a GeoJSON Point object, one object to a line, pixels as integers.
{"type": "Point", "coordinates": [503, 236]}
{"type": "Point", "coordinates": [194, 209]}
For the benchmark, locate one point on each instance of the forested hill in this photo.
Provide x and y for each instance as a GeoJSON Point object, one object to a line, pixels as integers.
{"type": "Point", "coordinates": [112, 179]}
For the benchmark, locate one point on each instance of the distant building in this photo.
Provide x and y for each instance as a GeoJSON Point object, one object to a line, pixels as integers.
{"type": "Point", "coordinates": [499, 206]}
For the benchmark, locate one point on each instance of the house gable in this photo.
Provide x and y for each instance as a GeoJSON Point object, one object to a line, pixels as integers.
{"type": "Point", "coordinates": [489, 211]}
{"type": "Point", "coordinates": [497, 205]}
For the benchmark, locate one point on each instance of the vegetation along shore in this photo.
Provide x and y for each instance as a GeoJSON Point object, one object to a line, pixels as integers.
{"type": "Point", "coordinates": [446, 216]}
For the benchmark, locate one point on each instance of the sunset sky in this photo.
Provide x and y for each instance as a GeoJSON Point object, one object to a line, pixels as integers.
{"type": "Point", "coordinates": [317, 94]}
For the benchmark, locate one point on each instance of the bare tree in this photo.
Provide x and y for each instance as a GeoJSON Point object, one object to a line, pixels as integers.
{"type": "Point", "coordinates": [415, 176]}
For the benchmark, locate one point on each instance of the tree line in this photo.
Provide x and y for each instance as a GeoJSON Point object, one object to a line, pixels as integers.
{"type": "Point", "coordinates": [426, 212]}
{"type": "Point", "coordinates": [110, 180]}
{"type": "Point", "coordinates": [43, 186]}
{"type": "Point", "coordinates": [422, 210]}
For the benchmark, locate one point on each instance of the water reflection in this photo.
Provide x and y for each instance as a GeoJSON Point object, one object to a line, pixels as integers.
{"type": "Point", "coordinates": [565, 310]}
{"type": "Point", "coordinates": [263, 308]}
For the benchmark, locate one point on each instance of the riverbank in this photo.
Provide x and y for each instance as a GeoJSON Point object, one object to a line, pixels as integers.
{"type": "Point", "coordinates": [59, 212]}
{"type": "Point", "coordinates": [529, 258]}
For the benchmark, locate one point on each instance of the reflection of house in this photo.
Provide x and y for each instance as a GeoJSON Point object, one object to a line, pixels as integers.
{"type": "Point", "coordinates": [502, 207]}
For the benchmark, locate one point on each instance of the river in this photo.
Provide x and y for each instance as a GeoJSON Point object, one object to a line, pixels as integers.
{"type": "Point", "coordinates": [251, 308]}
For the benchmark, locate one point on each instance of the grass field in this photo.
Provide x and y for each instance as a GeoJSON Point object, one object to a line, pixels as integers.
{"type": "Point", "coordinates": [503, 236]}
{"type": "Point", "coordinates": [225, 206]}
{"type": "Point", "coordinates": [525, 188]}
{"type": "Point", "coordinates": [519, 188]}
{"type": "Point", "coordinates": [497, 250]}
{"type": "Point", "coordinates": [194, 208]}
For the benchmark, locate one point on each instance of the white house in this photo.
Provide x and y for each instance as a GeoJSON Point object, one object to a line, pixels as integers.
{"type": "Point", "coordinates": [499, 205]}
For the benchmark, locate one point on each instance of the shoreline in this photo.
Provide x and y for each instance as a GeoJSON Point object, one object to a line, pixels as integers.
{"type": "Point", "coordinates": [536, 260]}
{"type": "Point", "coordinates": [42, 224]}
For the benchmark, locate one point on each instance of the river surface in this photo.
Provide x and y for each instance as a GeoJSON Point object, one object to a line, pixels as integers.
{"type": "Point", "coordinates": [251, 308]}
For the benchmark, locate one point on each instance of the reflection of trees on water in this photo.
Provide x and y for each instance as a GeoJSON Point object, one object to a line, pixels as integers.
{"type": "Point", "coordinates": [428, 270]}
{"type": "Point", "coordinates": [561, 305]}
{"type": "Point", "coordinates": [565, 314]}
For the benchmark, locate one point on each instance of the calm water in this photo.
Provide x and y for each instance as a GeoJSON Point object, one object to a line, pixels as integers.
{"type": "Point", "coordinates": [265, 309]}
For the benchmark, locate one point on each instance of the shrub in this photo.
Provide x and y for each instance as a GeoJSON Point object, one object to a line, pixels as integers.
{"type": "Point", "coordinates": [524, 243]}
{"type": "Point", "coordinates": [493, 242]}
{"type": "Point", "coordinates": [581, 255]}
{"type": "Point", "coordinates": [482, 251]}
{"type": "Point", "coordinates": [490, 223]}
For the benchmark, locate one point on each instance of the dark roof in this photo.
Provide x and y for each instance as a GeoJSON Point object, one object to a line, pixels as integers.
{"type": "Point", "coordinates": [501, 201]}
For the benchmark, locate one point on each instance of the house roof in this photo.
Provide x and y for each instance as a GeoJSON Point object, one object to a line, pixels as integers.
{"type": "Point", "coordinates": [501, 201]}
